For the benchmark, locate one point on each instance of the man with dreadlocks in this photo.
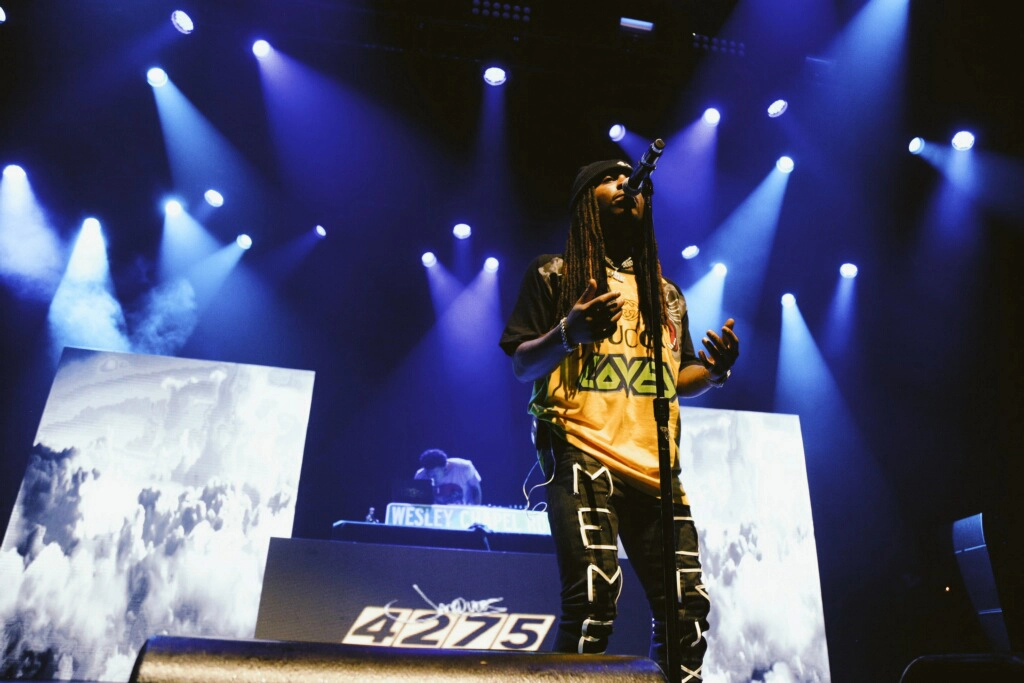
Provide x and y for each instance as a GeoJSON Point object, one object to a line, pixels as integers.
{"type": "Point", "coordinates": [580, 331]}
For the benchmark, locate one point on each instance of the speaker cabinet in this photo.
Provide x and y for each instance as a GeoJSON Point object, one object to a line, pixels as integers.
{"type": "Point", "coordinates": [966, 667]}
{"type": "Point", "coordinates": [166, 659]}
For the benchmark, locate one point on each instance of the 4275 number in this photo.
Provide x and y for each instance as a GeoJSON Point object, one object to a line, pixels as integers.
{"type": "Point", "coordinates": [398, 627]}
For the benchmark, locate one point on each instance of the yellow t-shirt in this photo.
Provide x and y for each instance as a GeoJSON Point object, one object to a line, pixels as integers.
{"type": "Point", "coordinates": [601, 397]}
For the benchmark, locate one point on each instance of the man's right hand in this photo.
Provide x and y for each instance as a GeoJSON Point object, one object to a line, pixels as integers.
{"type": "Point", "coordinates": [593, 317]}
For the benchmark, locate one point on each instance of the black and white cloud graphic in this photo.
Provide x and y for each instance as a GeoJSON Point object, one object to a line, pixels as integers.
{"type": "Point", "coordinates": [747, 482]}
{"type": "Point", "coordinates": [147, 508]}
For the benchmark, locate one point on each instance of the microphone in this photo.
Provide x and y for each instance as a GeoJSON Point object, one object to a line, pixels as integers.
{"type": "Point", "coordinates": [644, 168]}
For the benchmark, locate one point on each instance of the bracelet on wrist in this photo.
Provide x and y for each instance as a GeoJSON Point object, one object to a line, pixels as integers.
{"type": "Point", "coordinates": [718, 383]}
{"type": "Point", "coordinates": [569, 348]}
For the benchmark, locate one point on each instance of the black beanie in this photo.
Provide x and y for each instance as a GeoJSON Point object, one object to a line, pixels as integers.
{"type": "Point", "coordinates": [587, 175]}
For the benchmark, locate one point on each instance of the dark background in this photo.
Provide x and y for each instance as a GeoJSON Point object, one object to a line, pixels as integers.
{"type": "Point", "coordinates": [930, 376]}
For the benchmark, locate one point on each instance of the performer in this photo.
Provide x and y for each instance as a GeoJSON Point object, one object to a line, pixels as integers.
{"type": "Point", "coordinates": [456, 481]}
{"type": "Point", "coordinates": [580, 332]}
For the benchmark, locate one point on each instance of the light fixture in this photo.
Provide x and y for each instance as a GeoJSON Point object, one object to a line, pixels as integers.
{"type": "Point", "coordinates": [705, 43]}
{"type": "Point", "coordinates": [182, 22]}
{"type": "Point", "coordinates": [636, 24]}
{"type": "Point", "coordinates": [494, 75]}
{"type": "Point", "coordinates": [156, 77]}
{"type": "Point", "coordinates": [14, 171]}
{"type": "Point", "coordinates": [777, 108]}
{"type": "Point", "coordinates": [501, 10]}
{"type": "Point", "coordinates": [963, 141]}
{"type": "Point", "coordinates": [213, 198]}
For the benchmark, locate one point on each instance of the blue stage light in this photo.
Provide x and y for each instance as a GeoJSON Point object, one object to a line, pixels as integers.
{"type": "Point", "coordinates": [719, 269]}
{"type": "Point", "coordinates": [636, 24]}
{"type": "Point", "coordinates": [156, 77]}
{"type": "Point", "coordinates": [617, 132]}
{"type": "Point", "coordinates": [777, 108]}
{"type": "Point", "coordinates": [784, 164]}
{"type": "Point", "coordinates": [89, 261]}
{"type": "Point", "coordinates": [916, 146]}
{"type": "Point", "coordinates": [261, 48]}
{"type": "Point", "coordinates": [462, 231]}
{"type": "Point", "coordinates": [213, 198]}
{"type": "Point", "coordinates": [691, 252]}
{"type": "Point", "coordinates": [182, 22]}
{"type": "Point", "coordinates": [3, 15]}
{"type": "Point", "coordinates": [14, 171]}
{"type": "Point", "coordinates": [963, 141]}
{"type": "Point", "coordinates": [788, 300]}
{"type": "Point", "coordinates": [173, 208]}
{"type": "Point", "coordinates": [491, 265]}
{"type": "Point", "coordinates": [429, 260]}
{"type": "Point", "coordinates": [712, 116]}
{"type": "Point", "coordinates": [244, 241]}
{"type": "Point", "coordinates": [494, 76]}
{"type": "Point", "coordinates": [848, 270]}
{"type": "Point", "coordinates": [320, 231]}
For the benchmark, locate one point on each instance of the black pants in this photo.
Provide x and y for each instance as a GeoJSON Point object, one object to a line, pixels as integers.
{"type": "Point", "coordinates": [588, 509]}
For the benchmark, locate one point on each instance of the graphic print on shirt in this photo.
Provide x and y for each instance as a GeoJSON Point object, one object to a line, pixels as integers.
{"type": "Point", "coordinates": [626, 372]}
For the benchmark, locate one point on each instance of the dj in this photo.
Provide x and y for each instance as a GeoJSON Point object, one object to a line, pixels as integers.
{"type": "Point", "coordinates": [456, 481]}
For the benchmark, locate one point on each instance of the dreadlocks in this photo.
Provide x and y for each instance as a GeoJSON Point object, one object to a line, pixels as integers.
{"type": "Point", "coordinates": [585, 258]}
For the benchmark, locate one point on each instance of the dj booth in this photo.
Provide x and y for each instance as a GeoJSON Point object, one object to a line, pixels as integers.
{"type": "Point", "coordinates": [423, 580]}
{"type": "Point", "coordinates": [462, 527]}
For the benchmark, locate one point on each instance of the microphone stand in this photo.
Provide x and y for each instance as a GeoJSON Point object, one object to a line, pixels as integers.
{"type": "Point", "coordinates": [668, 535]}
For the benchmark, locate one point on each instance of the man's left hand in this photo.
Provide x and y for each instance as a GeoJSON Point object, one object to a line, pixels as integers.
{"type": "Point", "coordinates": [722, 351]}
